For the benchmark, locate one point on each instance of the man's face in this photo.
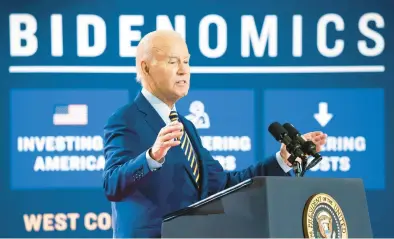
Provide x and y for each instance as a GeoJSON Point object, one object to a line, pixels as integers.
{"type": "Point", "coordinates": [169, 68]}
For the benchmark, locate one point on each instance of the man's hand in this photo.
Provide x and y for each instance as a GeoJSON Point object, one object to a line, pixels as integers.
{"type": "Point", "coordinates": [165, 140]}
{"type": "Point", "coordinates": [316, 137]}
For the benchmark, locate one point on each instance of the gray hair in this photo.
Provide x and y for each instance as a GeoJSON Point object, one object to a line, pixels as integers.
{"type": "Point", "coordinates": [144, 50]}
{"type": "Point", "coordinates": [138, 77]}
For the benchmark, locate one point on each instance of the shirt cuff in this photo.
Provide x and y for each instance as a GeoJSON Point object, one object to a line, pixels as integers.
{"type": "Point", "coordinates": [282, 163]}
{"type": "Point", "coordinates": [153, 164]}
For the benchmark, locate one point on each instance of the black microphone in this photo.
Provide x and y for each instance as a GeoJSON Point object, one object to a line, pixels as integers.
{"type": "Point", "coordinates": [292, 146]}
{"type": "Point", "coordinates": [307, 146]}
{"type": "Point", "coordinates": [279, 133]}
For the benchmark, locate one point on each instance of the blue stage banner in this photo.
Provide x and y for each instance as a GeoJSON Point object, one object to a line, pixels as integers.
{"type": "Point", "coordinates": [353, 119]}
{"type": "Point", "coordinates": [56, 137]}
{"type": "Point", "coordinates": [257, 37]}
{"type": "Point", "coordinates": [225, 122]}
{"type": "Point", "coordinates": [252, 63]}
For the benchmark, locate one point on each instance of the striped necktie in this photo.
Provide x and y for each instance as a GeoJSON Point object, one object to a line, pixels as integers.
{"type": "Point", "coordinates": [187, 148]}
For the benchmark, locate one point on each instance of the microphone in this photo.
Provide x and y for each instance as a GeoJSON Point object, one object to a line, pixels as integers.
{"type": "Point", "coordinates": [308, 147]}
{"type": "Point", "coordinates": [292, 146]}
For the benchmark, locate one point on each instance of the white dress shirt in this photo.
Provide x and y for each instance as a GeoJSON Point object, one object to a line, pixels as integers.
{"type": "Point", "coordinates": [164, 111]}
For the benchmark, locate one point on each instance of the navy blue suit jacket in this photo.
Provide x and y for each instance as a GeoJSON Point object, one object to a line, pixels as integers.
{"type": "Point", "coordinates": [141, 197]}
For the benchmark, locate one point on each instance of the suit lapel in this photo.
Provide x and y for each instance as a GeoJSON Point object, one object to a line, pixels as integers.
{"type": "Point", "coordinates": [156, 123]}
{"type": "Point", "coordinates": [151, 116]}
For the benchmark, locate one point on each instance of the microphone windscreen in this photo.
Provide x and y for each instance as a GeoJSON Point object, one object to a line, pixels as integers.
{"type": "Point", "coordinates": [293, 132]}
{"type": "Point", "coordinates": [277, 130]}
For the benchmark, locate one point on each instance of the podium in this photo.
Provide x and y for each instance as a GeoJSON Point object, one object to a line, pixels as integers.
{"type": "Point", "coordinates": [280, 207]}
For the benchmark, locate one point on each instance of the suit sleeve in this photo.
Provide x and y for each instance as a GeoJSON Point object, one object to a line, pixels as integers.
{"type": "Point", "coordinates": [219, 180]}
{"type": "Point", "coordinates": [124, 166]}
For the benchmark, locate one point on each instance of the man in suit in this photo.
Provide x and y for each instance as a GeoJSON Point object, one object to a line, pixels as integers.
{"type": "Point", "coordinates": [155, 161]}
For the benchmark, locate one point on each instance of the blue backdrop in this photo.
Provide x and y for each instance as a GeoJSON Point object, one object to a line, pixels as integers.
{"type": "Point", "coordinates": [67, 65]}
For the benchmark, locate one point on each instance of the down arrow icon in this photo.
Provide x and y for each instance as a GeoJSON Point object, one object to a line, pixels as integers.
{"type": "Point", "coordinates": [323, 117]}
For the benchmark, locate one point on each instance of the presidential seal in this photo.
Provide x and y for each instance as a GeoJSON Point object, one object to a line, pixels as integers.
{"type": "Point", "coordinates": [323, 218]}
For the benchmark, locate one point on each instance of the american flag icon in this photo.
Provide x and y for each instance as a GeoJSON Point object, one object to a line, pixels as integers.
{"type": "Point", "coordinates": [73, 114]}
